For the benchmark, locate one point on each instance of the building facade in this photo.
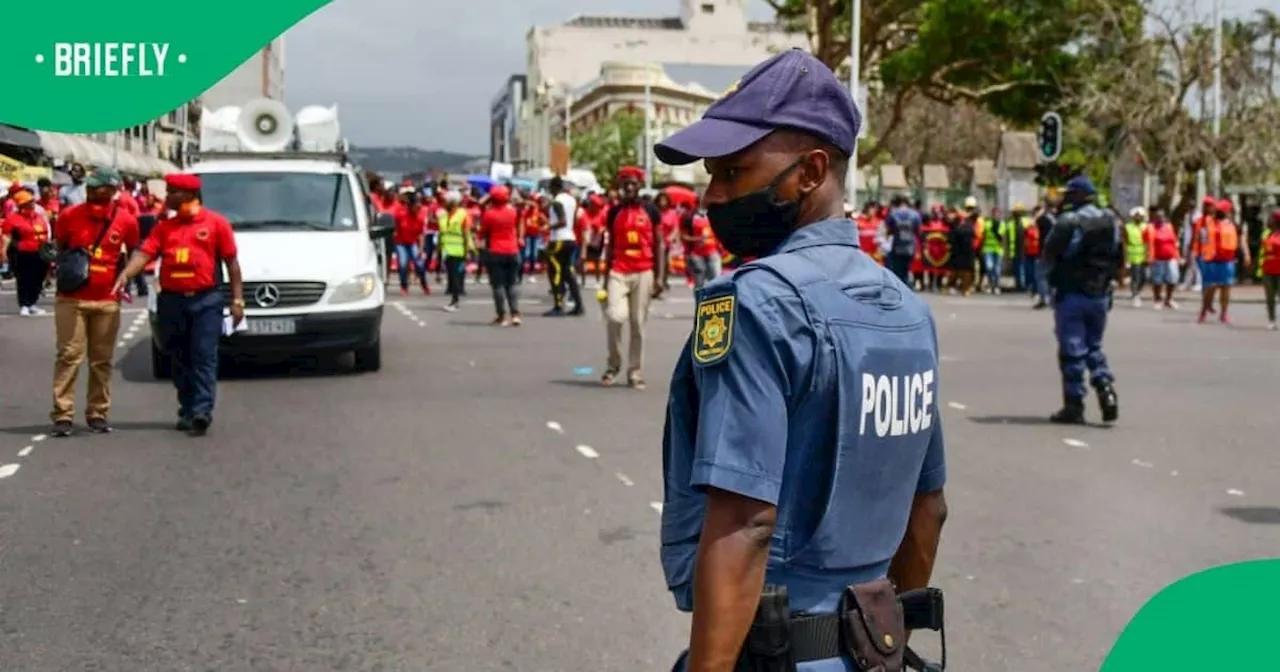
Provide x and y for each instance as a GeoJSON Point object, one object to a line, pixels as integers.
{"type": "Point", "coordinates": [712, 38]}
{"type": "Point", "coordinates": [504, 118]}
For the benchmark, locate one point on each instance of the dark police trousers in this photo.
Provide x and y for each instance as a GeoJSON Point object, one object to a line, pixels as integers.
{"type": "Point", "coordinates": [190, 325]}
{"type": "Point", "coordinates": [1079, 322]}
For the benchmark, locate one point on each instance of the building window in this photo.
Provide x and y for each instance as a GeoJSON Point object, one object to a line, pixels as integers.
{"type": "Point", "coordinates": [708, 8]}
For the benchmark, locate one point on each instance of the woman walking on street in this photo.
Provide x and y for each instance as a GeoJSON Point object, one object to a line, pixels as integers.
{"type": "Point", "coordinates": [1269, 266]}
{"type": "Point", "coordinates": [500, 238]}
{"type": "Point", "coordinates": [25, 232]}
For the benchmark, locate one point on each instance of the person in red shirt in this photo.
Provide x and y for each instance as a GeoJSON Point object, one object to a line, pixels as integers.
{"type": "Point", "coordinates": [591, 221]}
{"type": "Point", "coordinates": [87, 319]}
{"type": "Point", "coordinates": [411, 226]}
{"type": "Point", "coordinates": [702, 249]}
{"type": "Point", "coordinates": [1269, 266]}
{"type": "Point", "coordinates": [47, 200]}
{"type": "Point", "coordinates": [1163, 259]}
{"type": "Point", "coordinates": [126, 198]}
{"type": "Point", "coordinates": [25, 231]}
{"type": "Point", "coordinates": [634, 268]}
{"type": "Point", "coordinates": [500, 236]}
{"type": "Point", "coordinates": [533, 222]}
{"type": "Point", "coordinates": [191, 247]}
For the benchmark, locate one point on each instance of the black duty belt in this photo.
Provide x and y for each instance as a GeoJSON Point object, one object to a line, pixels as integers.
{"type": "Point", "coordinates": [815, 637]}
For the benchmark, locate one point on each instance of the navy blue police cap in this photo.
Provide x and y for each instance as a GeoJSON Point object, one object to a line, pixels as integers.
{"type": "Point", "coordinates": [792, 90]}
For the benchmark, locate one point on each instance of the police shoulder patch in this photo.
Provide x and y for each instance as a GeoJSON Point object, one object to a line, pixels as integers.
{"type": "Point", "coordinates": [713, 328]}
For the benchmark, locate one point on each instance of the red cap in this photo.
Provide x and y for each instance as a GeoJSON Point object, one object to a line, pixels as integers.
{"type": "Point", "coordinates": [14, 187]}
{"type": "Point", "coordinates": [499, 194]}
{"type": "Point", "coordinates": [182, 182]}
{"type": "Point", "coordinates": [630, 173]}
{"type": "Point", "coordinates": [1224, 205]}
{"type": "Point", "coordinates": [1210, 201]}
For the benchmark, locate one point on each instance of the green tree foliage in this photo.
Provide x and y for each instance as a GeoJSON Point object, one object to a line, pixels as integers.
{"type": "Point", "coordinates": [610, 145]}
{"type": "Point", "coordinates": [1016, 59]}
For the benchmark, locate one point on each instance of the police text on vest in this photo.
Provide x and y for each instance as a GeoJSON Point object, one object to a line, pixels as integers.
{"type": "Point", "coordinates": [897, 405]}
{"type": "Point", "coordinates": [110, 59]}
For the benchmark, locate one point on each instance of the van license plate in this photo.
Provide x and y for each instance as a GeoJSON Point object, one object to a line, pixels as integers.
{"type": "Point", "coordinates": [277, 327]}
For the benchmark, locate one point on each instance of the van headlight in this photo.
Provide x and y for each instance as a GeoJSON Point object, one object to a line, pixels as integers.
{"type": "Point", "coordinates": [356, 289]}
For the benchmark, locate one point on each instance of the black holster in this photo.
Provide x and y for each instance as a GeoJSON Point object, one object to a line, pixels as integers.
{"type": "Point", "coordinates": [768, 645]}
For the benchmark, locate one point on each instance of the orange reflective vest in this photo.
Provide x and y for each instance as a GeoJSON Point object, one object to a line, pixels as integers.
{"type": "Point", "coordinates": [1219, 240]}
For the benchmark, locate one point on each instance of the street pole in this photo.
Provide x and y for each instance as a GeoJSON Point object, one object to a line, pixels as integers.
{"type": "Point", "coordinates": [855, 64]}
{"type": "Point", "coordinates": [648, 165]}
{"type": "Point", "coordinates": [1216, 183]}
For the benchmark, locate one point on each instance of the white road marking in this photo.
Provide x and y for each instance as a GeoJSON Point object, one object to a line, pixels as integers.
{"type": "Point", "coordinates": [8, 470]}
{"type": "Point", "coordinates": [1077, 581]}
{"type": "Point", "coordinates": [656, 506]}
{"type": "Point", "coordinates": [555, 426]}
{"type": "Point", "coordinates": [129, 334]}
{"type": "Point", "coordinates": [623, 478]}
{"type": "Point", "coordinates": [587, 452]}
{"type": "Point", "coordinates": [121, 344]}
{"type": "Point", "coordinates": [957, 406]}
{"type": "Point", "coordinates": [26, 451]}
{"type": "Point", "coordinates": [38, 438]}
{"type": "Point", "coordinates": [1144, 465]}
{"type": "Point", "coordinates": [1235, 493]}
{"type": "Point", "coordinates": [1075, 443]}
{"type": "Point", "coordinates": [1173, 473]}
{"type": "Point", "coordinates": [948, 358]}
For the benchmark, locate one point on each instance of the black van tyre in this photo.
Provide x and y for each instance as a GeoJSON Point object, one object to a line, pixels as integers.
{"type": "Point", "coordinates": [160, 364]}
{"type": "Point", "coordinates": [370, 358]}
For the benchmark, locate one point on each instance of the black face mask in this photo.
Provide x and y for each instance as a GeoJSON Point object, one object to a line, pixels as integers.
{"type": "Point", "coordinates": [755, 224]}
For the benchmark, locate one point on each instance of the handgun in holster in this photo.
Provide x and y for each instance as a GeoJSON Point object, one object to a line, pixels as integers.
{"type": "Point", "coordinates": [768, 645]}
{"type": "Point", "coordinates": [922, 609]}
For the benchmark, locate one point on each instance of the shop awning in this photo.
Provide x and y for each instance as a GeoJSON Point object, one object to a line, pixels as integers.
{"type": "Point", "coordinates": [19, 137]}
{"type": "Point", "coordinates": [83, 150]}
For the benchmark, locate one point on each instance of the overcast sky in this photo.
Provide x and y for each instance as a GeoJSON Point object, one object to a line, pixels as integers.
{"type": "Point", "coordinates": [410, 72]}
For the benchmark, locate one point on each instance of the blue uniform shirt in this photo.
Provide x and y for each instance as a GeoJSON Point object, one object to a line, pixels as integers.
{"type": "Point", "coordinates": [810, 382]}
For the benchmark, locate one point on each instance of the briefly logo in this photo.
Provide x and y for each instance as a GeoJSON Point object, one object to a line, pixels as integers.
{"type": "Point", "coordinates": [713, 332]}
{"type": "Point", "coordinates": [202, 234]}
{"type": "Point", "coordinates": [266, 296]}
{"type": "Point", "coordinates": [110, 59]}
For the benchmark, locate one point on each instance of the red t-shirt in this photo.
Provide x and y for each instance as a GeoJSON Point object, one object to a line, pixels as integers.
{"type": "Point", "coordinates": [30, 229]}
{"type": "Point", "coordinates": [632, 240]}
{"type": "Point", "coordinates": [79, 228]}
{"type": "Point", "coordinates": [592, 225]}
{"type": "Point", "coordinates": [189, 250]}
{"type": "Point", "coordinates": [409, 227]}
{"type": "Point", "coordinates": [498, 229]}
{"type": "Point", "coordinates": [52, 206]}
{"type": "Point", "coordinates": [533, 220]}
{"type": "Point", "coordinates": [129, 204]}
{"type": "Point", "coordinates": [433, 216]}
{"type": "Point", "coordinates": [702, 229]}
{"type": "Point", "coordinates": [1271, 253]}
{"type": "Point", "coordinates": [670, 224]}
{"type": "Point", "coordinates": [384, 203]}
{"type": "Point", "coordinates": [1163, 242]}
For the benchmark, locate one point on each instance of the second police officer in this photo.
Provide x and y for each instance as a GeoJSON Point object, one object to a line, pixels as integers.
{"type": "Point", "coordinates": [803, 447]}
{"type": "Point", "coordinates": [1083, 256]}
{"type": "Point", "coordinates": [192, 246]}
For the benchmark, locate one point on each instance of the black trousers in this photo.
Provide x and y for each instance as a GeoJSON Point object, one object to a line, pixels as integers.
{"type": "Point", "coordinates": [456, 270]}
{"type": "Point", "coordinates": [504, 273]}
{"type": "Point", "coordinates": [29, 272]}
{"type": "Point", "coordinates": [560, 272]}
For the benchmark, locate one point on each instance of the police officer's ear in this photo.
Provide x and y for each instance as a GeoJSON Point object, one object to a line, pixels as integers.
{"type": "Point", "coordinates": [812, 172]}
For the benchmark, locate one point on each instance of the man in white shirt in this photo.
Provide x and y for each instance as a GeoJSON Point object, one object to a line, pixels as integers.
{"type": "Point", "coordinates": [561, 248]}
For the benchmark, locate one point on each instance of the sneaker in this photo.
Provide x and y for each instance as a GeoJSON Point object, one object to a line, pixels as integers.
{"type": "Point", "coordinates": [37, 310]}
{"type": "Point", "coordinates": [200, 425]}
{"type": "Point", "coordinates": [25, 311]}
{"type": "Point", "coordinates": [183, 425]}
{"type": "Point", "coordinates": [451, 308]}
{"type": "Point", "coordinates": [578, 311]}
{"type": "Point", "coordinates": [404, 291]}
{"type": "Point", "coordinates": [636, 382]}
{"type": "Point", "coordinates": [499, 321]}
{"type": "Point", "coordinates": [1272, 327]}
{"type": "Point", "coordinates": [99, 425]}
{"type": "Point", "coordinates": [1158, 306]}
{"type": "Point", "coordinates": [1137, 302]}
{"type": "Point", "coordinates": [61, 429]}
{"type": "Point", "coordinates": [1171, 305]}
{"type": "Point", "coordinates": [554, 312]}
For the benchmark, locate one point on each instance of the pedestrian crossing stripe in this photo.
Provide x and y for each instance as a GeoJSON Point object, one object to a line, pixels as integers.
{"type": "Point", "coordinates": [713, 329]}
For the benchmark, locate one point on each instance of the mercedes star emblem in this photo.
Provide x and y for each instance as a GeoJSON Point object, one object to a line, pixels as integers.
{"type": "Point", "coordinates": [267, 295]}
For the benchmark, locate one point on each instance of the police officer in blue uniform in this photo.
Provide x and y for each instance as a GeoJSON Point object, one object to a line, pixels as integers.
{"type": "Point", "coordinates": [1083, 254]}
{"type": "Point", "coordinates": [803, 447]}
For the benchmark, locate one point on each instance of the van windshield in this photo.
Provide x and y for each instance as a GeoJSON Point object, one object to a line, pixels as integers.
{"type": "Point", "coordinates": [281, 201]}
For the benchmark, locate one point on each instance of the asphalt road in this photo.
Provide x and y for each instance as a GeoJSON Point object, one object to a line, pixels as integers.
{"type": "Point", "coordinates": [482, 504]}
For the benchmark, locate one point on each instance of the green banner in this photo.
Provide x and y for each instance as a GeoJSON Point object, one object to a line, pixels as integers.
{"type": "Point", "coordinates": [93, 67]}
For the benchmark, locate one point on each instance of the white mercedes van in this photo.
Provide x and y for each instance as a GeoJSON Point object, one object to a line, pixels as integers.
{"type": "Point", "coordinates": [312, 255]}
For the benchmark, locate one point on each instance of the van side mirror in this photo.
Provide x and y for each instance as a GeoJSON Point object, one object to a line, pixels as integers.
{"type": "Point", "coordinates": [384, 225]}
